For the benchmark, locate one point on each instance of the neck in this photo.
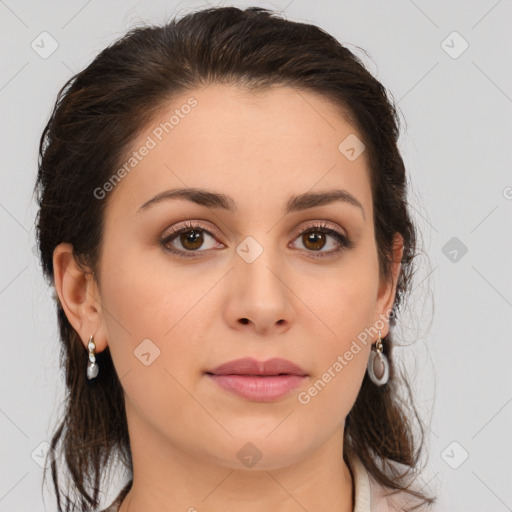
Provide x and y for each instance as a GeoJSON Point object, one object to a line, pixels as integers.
{"type": "Point", "coordinates": [168, 479]}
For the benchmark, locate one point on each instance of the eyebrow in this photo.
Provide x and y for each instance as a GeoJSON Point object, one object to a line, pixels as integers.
{"type": "Point", "coordinates": [217, 200]}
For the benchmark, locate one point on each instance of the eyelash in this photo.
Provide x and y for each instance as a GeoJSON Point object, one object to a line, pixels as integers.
{"type": "Point", "coordinates": [344, 242]}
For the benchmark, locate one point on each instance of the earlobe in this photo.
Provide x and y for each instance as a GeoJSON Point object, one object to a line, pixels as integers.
{"type": "Point", "coordinates": [78, 296]}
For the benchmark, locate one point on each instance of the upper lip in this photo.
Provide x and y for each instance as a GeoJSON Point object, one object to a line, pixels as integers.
{"type": "Point", "coordinates": [251, 366]}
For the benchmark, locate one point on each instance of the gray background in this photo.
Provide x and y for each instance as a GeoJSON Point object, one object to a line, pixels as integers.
{"type": "Point", "coordinates": [456, 145]}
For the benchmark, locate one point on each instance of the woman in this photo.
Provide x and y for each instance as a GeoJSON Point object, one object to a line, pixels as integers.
{"type": "Point", "coordinates": [223, 217]}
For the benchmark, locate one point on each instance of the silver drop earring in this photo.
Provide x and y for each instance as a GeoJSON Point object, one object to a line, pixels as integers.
{"type": "Point", "coordinates": [92, 367]}
{"type": "Point", "coordinates": [378, 365]}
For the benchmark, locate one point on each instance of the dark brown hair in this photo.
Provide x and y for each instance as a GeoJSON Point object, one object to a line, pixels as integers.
{"type": "Point", "coordinates": [98, 114]}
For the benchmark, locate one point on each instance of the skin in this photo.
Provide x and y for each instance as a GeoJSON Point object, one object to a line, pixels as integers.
{"type": "Point", "coordinates": [259, 148]}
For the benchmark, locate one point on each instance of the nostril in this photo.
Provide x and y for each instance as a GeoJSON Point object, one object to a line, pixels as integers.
{"type": "Point", "coordinates": [245, 321]}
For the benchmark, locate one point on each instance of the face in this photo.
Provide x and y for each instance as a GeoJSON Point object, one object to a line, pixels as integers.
{"type": "Point", "coordinates": [252, 268]}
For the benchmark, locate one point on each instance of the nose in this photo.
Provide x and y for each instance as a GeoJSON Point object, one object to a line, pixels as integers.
{"type": "Point", "coordinates": [259, 298]}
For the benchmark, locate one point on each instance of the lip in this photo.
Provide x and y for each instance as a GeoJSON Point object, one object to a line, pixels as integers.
{"type": "Point", "coordinates": [259, 381]}
{"type": "Point", "coordinates": [251, 366]}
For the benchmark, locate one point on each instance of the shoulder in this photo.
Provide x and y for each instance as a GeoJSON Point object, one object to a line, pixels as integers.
{"type": "Point", "coordinates": [371, 496]}
{"type": "Point", "coordinates": [114, 506]}
{"type": "Point", "coordinates": [384, 499]}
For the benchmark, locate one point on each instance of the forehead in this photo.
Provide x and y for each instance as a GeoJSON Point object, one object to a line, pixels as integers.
{"type": "Point", "coordinates": [256, 145]}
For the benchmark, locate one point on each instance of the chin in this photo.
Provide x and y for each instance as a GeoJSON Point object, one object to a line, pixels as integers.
{"type": "Point", "coordinates": [258, 452]}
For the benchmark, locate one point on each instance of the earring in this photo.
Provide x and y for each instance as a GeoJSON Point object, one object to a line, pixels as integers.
{"type": "Point", "coordinates": [378, 365]}
{"type": "Point", "coordinates": [92, 367]}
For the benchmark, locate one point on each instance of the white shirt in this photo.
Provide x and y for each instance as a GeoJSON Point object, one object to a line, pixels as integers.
{"type": "Point", "coordinates": [370, 496]}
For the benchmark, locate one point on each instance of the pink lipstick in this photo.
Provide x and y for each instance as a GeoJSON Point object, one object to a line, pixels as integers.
{"type": "Point", "coordinates": [259, 381]}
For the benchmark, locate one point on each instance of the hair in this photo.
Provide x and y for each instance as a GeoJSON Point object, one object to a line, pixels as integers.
{"type": "Point", "coordinates": [97, 116]}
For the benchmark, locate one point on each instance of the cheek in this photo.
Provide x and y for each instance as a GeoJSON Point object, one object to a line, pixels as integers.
{"type": "Point", "coordinates": [145, 296]}
{"type": "Point", "coordinates": [331, 395]}
{"type": "Point", "coordinates": [344, 308]}
{"type": "Point", "coordinates": [149, 325]}
{"type": "Point", "coordinates": [344, 303]}
{"type": "Point", "coordinates": [340, 360]}
{"type": "Point", "coordinates": [147, 317]}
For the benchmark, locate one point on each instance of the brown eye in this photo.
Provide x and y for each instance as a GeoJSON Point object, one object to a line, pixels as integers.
{"type": "Point", "coordinates": [191, 240]}
{"type": "Point", "coordinates": [314, 240]}
{"type": "Point", "coordinates": [317, 237]}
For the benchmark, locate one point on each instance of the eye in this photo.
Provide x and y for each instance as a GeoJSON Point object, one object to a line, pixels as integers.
{"type": "Point", "coordinates": [190, 236]}
{"type": "Point", "coordinates": [315, 237]}
{"type": "Point", "coordinates": [185, 241]}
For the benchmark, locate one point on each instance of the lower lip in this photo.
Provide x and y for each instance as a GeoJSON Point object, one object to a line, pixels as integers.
{"type": "Point", "coordinates": [259, 388]}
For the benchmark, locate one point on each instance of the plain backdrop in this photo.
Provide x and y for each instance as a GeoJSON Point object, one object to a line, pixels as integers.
{"type": "Point", "coordinates": [447, 66]}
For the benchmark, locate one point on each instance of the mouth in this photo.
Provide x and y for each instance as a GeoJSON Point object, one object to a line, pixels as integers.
{"type": "Point", "coordinates": [259, 381]}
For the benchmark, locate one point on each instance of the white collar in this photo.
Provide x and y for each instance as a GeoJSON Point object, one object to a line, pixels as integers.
{"type": "Point", "coordinates": [371, 496]}
{"type": "Point", "coordinates": [361, 484]}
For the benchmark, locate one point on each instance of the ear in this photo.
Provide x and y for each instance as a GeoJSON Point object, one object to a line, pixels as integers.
{"type": "Point", "coordinates": [387, 290]}
{"type": "Point", "coordinates": [78, 293]}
